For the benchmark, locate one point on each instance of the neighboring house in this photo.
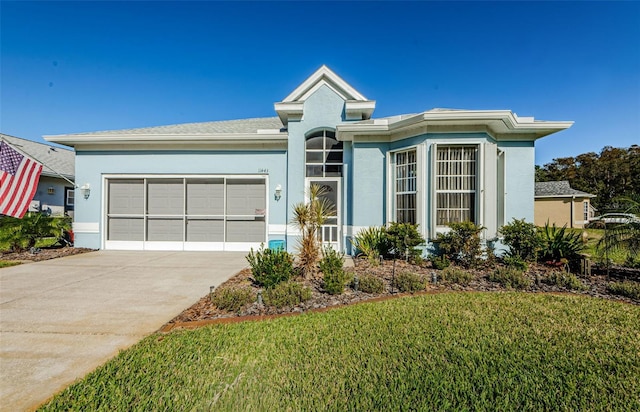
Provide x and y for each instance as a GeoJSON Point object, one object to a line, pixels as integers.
{"type": "Point", "coordinates": [55, 193]}
{"type": "Point", "coordinates": [231, 185]}
{"type": "Point", "coordinates": [556, 202]}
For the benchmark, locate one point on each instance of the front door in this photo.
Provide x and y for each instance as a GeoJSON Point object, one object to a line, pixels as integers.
{"type": "Point", "coordinates": [330, 232]}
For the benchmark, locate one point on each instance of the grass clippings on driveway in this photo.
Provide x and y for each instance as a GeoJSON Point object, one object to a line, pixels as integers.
{"type": "Point", "coordinates": [449, 351]}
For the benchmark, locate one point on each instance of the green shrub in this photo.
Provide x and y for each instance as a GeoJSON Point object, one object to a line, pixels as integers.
{"type": "Point", "coordinates": [626, 288]}
{"type": "Point", "coordinates": [370, 284]}
{"type": "Point", "coordinates": [409, 282]}
{"type": "Point", "coordinates": [22, 234]}
{"type": "Point", "coordinates": [270, 267]}
{"type": "Point", "coordinates": [509, 278]}
{"type": "Point", "coordinates": [565, 280]}
{"type": "Point", "coordinates": [440, 262]}
{"type": "Point", "coordinates": [403, 240]}
{"type": "Point", "coordinates": [232, 299]}
{"type": "Point", "coordinates": [286, 294]}
{"type": "Point", "coordinates": [334, 276]}
{"type": "Point", "coordinates": [372, 242]}
{"type": "Point", "coordinates": [559, 245]}
{"type": "Point", "coordinates": [456, 275]}
{"type": "Point", "coordinates": [462, 243]}
{"type": "Point", "coordinates": [522, 239]}
{"type": "Point", "coordinates": [334, 282]}
{"type": "Point", "coordinates": [515, 262]}
{"type": "Point", "coordinates": [332, 260]}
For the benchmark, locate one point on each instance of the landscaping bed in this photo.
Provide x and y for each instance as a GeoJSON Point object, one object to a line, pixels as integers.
{"type": "Point", "coordinates": [536, 275]}
{"type": "Point", "coordinates": [42, 254]}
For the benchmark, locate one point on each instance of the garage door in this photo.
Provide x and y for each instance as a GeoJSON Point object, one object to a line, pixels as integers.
{"type": "Point", "coordinates": [187, 213]}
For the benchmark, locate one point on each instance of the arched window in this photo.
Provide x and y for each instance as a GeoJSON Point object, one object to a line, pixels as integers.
{"type": "Point", "coordinates": [323, 154]}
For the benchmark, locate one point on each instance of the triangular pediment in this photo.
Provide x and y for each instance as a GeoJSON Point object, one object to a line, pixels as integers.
{"type": "Point", "coordinates": [324, 76]}
{"type": "Point", "coordinates": [357, 106]}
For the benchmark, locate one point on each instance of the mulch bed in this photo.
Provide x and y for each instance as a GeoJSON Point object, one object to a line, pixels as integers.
{"type": "Point", "coordinates": [204, 312]}
{"type": "Point", "coordinates": [43, 254]}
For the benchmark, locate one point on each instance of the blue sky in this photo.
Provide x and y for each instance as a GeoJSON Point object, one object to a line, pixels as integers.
{"type": "Point", "coordinates": [69, 67]}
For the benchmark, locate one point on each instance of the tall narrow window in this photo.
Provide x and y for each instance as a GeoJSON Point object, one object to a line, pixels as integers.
{"type": "Point", "coordinates": [406, 186]}
{"type": "Point", "coordinates": [585, 209]}
{"type": "Point", "coordinates": [456, 183]}
{"type": "Point", "coordinates": [323, 155]}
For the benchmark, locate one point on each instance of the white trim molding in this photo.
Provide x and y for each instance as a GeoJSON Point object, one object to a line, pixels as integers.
{"type": "Point", "coordinates": [86, 227]}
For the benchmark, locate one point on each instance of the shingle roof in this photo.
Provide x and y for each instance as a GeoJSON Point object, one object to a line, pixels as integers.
{"type": "Point", "coordinates": [55, 160]}
{"type": "Point", "coordinates": [559, 188]}
{"type": "Point", "coordinates": [240, 126]}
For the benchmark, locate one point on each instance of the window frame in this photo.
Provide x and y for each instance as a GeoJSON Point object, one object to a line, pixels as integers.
{"type": "Point", "coordinates": [66, 197]}
{"type": "Point", "coordinates": [585, 211]}
{"type": "Point", "coordinates": [325, 152]}
{"type": "Point", "coordinates": [391, 200]}
{"type": "Point", "coordinates": [475, 192]}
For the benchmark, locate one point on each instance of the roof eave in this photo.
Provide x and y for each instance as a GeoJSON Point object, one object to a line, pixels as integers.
{"type": "Point", "coordinates": [501, 124]}
{"type": "Point", "coordinates": [159, 139]}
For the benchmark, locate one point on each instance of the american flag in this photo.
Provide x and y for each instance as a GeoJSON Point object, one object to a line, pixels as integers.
{"type": "Point", "coordinates": [19, 177]}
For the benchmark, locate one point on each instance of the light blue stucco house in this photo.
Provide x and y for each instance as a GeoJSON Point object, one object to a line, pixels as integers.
{"type": "Point", "coordinates": [231, 185]}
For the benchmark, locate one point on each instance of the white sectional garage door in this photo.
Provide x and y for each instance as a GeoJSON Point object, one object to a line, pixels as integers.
{"type": "Point", "coordinates": [186, 213]}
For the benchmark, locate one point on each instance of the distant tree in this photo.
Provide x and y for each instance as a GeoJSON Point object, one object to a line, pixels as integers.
{"type": "Point", "coordinates": [610, 175]}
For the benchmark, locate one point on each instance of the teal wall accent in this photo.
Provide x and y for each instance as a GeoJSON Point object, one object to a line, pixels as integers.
{"type": "Point", "coordinates": [519, 165]}
{"type": "Point", "coordinates": [369, 187]}
{"type": "Point", "coordinates": [90, 167]}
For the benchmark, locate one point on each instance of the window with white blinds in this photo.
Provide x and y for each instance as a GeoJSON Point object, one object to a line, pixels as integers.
{"type": "Point", "coordinates": [406, 185]}
{"type": "Point", "coordinates": [456, 183]}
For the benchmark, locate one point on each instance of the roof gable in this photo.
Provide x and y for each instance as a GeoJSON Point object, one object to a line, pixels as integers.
{"type": "Point", "coordinates": [324, 76]}
{"type": "Point", "coordinates": [357, 107]}
{"type": "Point", "coordinates": [55, 161]}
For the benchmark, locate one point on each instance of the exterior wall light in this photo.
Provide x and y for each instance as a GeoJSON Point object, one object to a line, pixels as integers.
{"type": "Point", "coordinates": [278, 193]}
{"type": "Point", "coordinates": [85, 189]}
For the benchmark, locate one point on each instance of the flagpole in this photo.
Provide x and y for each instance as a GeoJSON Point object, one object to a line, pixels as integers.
{"type": "Point", "coordinates": [38, 160]}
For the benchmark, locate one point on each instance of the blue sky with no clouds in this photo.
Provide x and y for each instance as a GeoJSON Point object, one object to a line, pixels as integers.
{"type": "Point", "coordinates": [69, 67]}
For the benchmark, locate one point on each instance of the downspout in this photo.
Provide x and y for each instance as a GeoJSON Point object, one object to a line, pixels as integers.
{"type": "Point", "coordinates": [573, 199]}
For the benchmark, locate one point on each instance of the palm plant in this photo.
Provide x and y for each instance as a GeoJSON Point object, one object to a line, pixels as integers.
{"type": "Point", "coordinates": [308, 217]}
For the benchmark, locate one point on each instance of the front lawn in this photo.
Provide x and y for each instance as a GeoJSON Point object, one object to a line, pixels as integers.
{"type": "Point", "coordinates": [448, 351]}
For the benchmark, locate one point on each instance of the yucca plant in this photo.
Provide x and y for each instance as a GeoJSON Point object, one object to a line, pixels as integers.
{"type": "Point", "coordinates": [308, 217]}
{"type": "Point", "coordinates": [371, 242]}
{"type": "Point", "coordinates": [559, 245]}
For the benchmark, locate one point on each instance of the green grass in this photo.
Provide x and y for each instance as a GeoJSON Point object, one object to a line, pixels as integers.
{"type": "Point", "coordinates": [42, 242]}
{"type": "Point", "coordinates": [465, 351]}
{"type": "Point", "coordinates": [7, 263]}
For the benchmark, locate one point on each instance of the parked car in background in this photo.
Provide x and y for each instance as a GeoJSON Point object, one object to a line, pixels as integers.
{"type": "Point", "coordinates": [613, 218]}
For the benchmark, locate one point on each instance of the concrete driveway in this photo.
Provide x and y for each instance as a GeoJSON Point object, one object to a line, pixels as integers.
{"type": "Point", "coordinates": [60, 319]}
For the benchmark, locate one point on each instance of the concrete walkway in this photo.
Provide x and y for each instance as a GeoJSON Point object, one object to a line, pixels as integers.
{"type": "Point", "coordinates": [60, 319]}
